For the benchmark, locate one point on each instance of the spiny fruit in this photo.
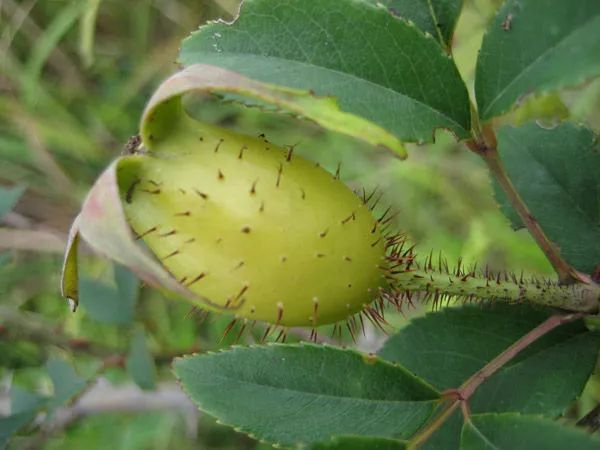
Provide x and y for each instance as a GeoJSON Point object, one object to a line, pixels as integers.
{"type": "Point", "coordinates": [249, 225]}
{"type": "Point", "coordinates": [272, 237]}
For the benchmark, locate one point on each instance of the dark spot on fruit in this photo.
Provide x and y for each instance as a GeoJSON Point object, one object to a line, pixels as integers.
{"type": "Point", "coordinates": [220, 175]}
{"type": "Point", "coordinates": [176, 252]}
{"type": "Point", "coordinates": [201, 194]}
{"type": "Point", "coordinates": [279, 172]}
{"type": "Point", "coordinates": [349, 218]}
{"type": "Point", "coordinates": [218, 145]}
{"type": "Point", "coordinates": [197, 278]}
{"type": "Point", "coordinates": [130, 190]}
{"type": "Point", "coordinates": [147, 232]}
{"type": "Point", "coordinates": [290, 152]}
{"type": "Point", "coordinates": [246, 229]}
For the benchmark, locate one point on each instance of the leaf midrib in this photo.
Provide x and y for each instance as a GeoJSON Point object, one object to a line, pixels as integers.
{"type": "Point", "coordinates": [308, 393]}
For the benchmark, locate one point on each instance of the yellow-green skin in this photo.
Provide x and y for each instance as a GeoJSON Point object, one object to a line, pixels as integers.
{"type": "Point", "coordinates": [245, 223]}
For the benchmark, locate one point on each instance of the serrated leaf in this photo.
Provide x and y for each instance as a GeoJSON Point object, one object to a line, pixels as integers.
{"type": "Point", "coordinates": [544, 383]}
{"type": "Point", "coordinates": [140, 363]}
{"type": "Point", "coordinates": [359, 443]}
{"type": "Point", "coordinates": [447, 347]}
{"type": "Point", "coordinates": [9, 198]}
{"type": "Point", "coordinates": [436, 17]}
{"type": "Point", "coordinates": [556, 173]}
{"type": "Point", "coordinates": [378, 66]}
{"type": "Point", "coordinates": [67, 383]}
{"type": "Point", "coordinates": [291, 394]}
{"type": "Point", "coordinates": [521, 432]}
{"type": "Point", "coordinates": [535, 46]}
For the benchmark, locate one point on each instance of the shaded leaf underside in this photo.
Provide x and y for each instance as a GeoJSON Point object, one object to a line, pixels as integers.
{"type": "Point", "coordinates": [378, 66]}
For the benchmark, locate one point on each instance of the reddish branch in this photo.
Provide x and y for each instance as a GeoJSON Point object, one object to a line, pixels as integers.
{"type": "Point", "coordinates": [459, 397]}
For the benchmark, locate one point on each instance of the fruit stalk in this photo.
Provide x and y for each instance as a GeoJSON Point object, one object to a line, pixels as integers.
{"type": "Point", "coordinates": [438, 283]}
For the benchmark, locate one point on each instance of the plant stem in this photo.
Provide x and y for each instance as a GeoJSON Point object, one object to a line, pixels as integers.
{"type": "Point", "coordinates": [431, 427]}
{"type": "Point", "coordinates": [462, 395]}
{"type": "Point", "coordinates": [437, 282]}
{"type": "Point", "coordinates": [566, 273]}
{"type": "Point", "coordinates": [468, 387]}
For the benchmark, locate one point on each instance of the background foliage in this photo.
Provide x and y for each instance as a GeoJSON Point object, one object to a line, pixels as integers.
{"type": "Point", "coordinates": [74, 77]}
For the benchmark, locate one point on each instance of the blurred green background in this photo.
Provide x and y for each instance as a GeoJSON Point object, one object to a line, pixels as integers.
{"type": "Point", "coordinates": [74, 78]}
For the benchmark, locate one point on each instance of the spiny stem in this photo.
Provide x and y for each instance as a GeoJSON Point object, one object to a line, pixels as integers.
{"type": "Point", "coordinates": [407, 277]}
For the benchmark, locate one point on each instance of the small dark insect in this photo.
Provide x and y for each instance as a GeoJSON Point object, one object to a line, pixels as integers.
{"type": "Point", "coordinates": [133, 145]}
{"type": "Point", "coordinates": [507, 23]}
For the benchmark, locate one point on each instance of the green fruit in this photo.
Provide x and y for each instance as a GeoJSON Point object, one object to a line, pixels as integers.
{"type": "Point", "coordinates": [248, 224]}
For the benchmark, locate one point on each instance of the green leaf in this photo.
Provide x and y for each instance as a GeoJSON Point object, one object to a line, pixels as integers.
{"type": "Point", "coordinates": [67, 383]}
{"type": "Point", "coordinates": [291, 394]}
{"type": "Point", "coordinates": [9, 425]}
{"type": "Point", "coordinates": [23, 401]}
{"type": "Point", "coordinates": [518, 432]}
{"type": "Point", "coordinates": [104, 303]}
{"type": "Point", "coordinates": [556, 173]}
{"type": "Point", "coordinates": [359, 443]}
{"type": "Point", "coordinates": [128, 285]}
{"type": "Point", "coordinates": [447, 347]}
{"type": "Point", "coordinates": [535, 46]}
{"type": "Point", "coordinates": [436, 17]}
{"type": "Point", "coordinates": [378, 66]}
{"type": "Point", "coordinates": [140, 363]}
{"type": "Point", "coordinates": [447, 437]}
{"type": "Point", "coordinates": [546, 382]}
{"type": "Point", "coordinates": [114, 305]}
{"type": "Point", "coordinates": [9, 198]}
{"type": "Point", "coordinates": [23, 409]}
